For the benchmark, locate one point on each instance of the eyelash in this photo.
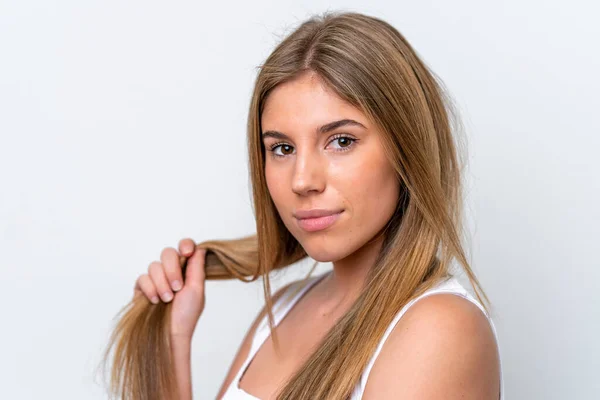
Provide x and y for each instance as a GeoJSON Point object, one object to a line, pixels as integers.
{"type": "Point", "coordinates": [339, 136]}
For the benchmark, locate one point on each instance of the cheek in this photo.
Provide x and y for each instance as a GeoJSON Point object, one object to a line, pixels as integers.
{"type": "Point", "coordinates": [371, 189]}
{"type": "Point", "coordinates": [276, 185]}
{"type": "Point", "coordinates": [269, 178]}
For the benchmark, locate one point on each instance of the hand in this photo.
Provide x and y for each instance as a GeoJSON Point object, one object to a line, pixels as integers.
{"type": "Point", "coordinates": [164, 282]}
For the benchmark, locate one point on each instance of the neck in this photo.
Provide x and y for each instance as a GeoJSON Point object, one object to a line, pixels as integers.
{"type": "Point", "coordinates": [348, 277]}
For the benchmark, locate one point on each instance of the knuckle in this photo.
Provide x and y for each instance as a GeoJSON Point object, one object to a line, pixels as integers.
{"type": "Point", "coordinates": [167, 252]}
{"type": "Point", "coordinates": [158, 277]}
{"type": "Point", "coordinates": [154, 267]}
{"type": "Point", "coordinates": [172, 270]}
{"type": "Point", "coordinates": [186, 246]}
{"type": "Point", "coordinates": [146, 285]}
{"type": "Point", "coordinates": [158, 280]}
{"type": "Point", "coordinates": [148, 289]}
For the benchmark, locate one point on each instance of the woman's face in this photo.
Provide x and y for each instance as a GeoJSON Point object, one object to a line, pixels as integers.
{"type": "Point", "coordinates": [314, 163]}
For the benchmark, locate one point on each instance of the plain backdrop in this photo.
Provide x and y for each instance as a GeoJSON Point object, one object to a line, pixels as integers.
{"type": "Point", "coordinates": [122, 130]}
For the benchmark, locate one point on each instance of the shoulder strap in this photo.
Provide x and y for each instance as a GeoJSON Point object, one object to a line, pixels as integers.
{"type": "Point", "coordinates": [280, 308]}
{"type": "Point", "coordinates": [450, 285]}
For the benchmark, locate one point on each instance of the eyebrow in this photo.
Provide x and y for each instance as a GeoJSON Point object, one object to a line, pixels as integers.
{"type": "Point", "coordinates": [322, 129]}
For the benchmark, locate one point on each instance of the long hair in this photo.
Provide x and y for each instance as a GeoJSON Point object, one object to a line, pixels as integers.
{"type": "Point", "coordinates": [370, 65]}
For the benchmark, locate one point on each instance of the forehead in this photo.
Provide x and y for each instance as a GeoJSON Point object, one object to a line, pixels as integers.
{"type": "Point", "coordinates": [305, 101]}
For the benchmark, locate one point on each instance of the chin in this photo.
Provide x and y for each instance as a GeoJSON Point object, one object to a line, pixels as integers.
{"type": "Point", "coordinates": [322, 257]}
{"type": "Point", "coordinates": [321, 253]}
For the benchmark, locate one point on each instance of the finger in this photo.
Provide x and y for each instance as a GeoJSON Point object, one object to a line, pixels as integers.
{"type": "Point", "coordinates": [145, 286]}
{"type": "Point", "coordinates": [170, 260]}
{"type": "Point", "coordinates": [195, 273]}
{"type": "Point", "coordinates": [187, 247]}
{"type": "Point", "coordinates": [159, 278]}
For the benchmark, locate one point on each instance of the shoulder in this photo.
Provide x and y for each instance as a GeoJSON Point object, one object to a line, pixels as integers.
{"type": "Point", "coordinates": [442, 347]}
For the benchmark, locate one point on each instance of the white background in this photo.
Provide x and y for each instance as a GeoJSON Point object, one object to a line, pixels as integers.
{"type": "Point", "coordinates": [122, 130]}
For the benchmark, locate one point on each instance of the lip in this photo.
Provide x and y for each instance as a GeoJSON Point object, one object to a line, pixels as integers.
{"type": "Point", "coordinates": [316, 219]}
{"type": "Point", "coordinates": [315, 213]}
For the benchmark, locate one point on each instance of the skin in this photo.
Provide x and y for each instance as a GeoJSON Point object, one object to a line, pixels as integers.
{"type": "Point", "coordinates": [321, 170]}
{"type": "Point", "coordinates": [442, 335]}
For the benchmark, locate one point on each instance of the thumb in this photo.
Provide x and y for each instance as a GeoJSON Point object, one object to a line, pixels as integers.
{"type": "Point", "coordinates": [194, 272]}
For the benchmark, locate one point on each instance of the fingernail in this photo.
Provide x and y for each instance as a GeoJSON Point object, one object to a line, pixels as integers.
{"type": "Point", "coordinates": [176, 285]}
{"type": "Point", "coordinates": [154, 299]}
{"type": "Point", "coordinates": [167, 296]}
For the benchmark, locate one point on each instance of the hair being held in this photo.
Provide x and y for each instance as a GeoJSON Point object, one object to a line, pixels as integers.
{"type": "Point", "coordinates": [370, 65]}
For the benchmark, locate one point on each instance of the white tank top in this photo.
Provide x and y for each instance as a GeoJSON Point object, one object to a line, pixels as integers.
{"type": "Point", "coordinates": [291, 297]}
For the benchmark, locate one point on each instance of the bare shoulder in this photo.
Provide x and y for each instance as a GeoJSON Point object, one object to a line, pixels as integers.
{"type": "Point", "coordinates": [244, 348]}
{"type": "Point", "coordinates": [442, 347]}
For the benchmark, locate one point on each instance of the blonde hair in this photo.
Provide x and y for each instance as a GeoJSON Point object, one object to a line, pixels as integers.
{"type": "Point", "coordinates": [370, 65]}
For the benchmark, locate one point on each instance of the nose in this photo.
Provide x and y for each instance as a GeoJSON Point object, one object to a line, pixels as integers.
{"type": "Point", "coordinates": [309, 173]}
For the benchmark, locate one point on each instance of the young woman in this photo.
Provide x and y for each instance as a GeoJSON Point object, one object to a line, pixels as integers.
{"type": "Point", "coordinates": [353, 161]}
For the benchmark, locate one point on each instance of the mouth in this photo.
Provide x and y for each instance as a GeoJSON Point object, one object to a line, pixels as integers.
{"type": "Point", "coordinates": [317, 220]}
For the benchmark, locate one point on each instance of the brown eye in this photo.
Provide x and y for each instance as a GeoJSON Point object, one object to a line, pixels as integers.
{"type": "Point", "coordinates": [285, 148]}
{"type": "Point", "coordinates": [344, 141]}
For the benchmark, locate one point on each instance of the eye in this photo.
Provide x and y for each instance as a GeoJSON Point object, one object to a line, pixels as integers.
{"type": "Point", "coordinates": [285, 148]}
{"type": "Point", "coordinates": [345, 142]}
